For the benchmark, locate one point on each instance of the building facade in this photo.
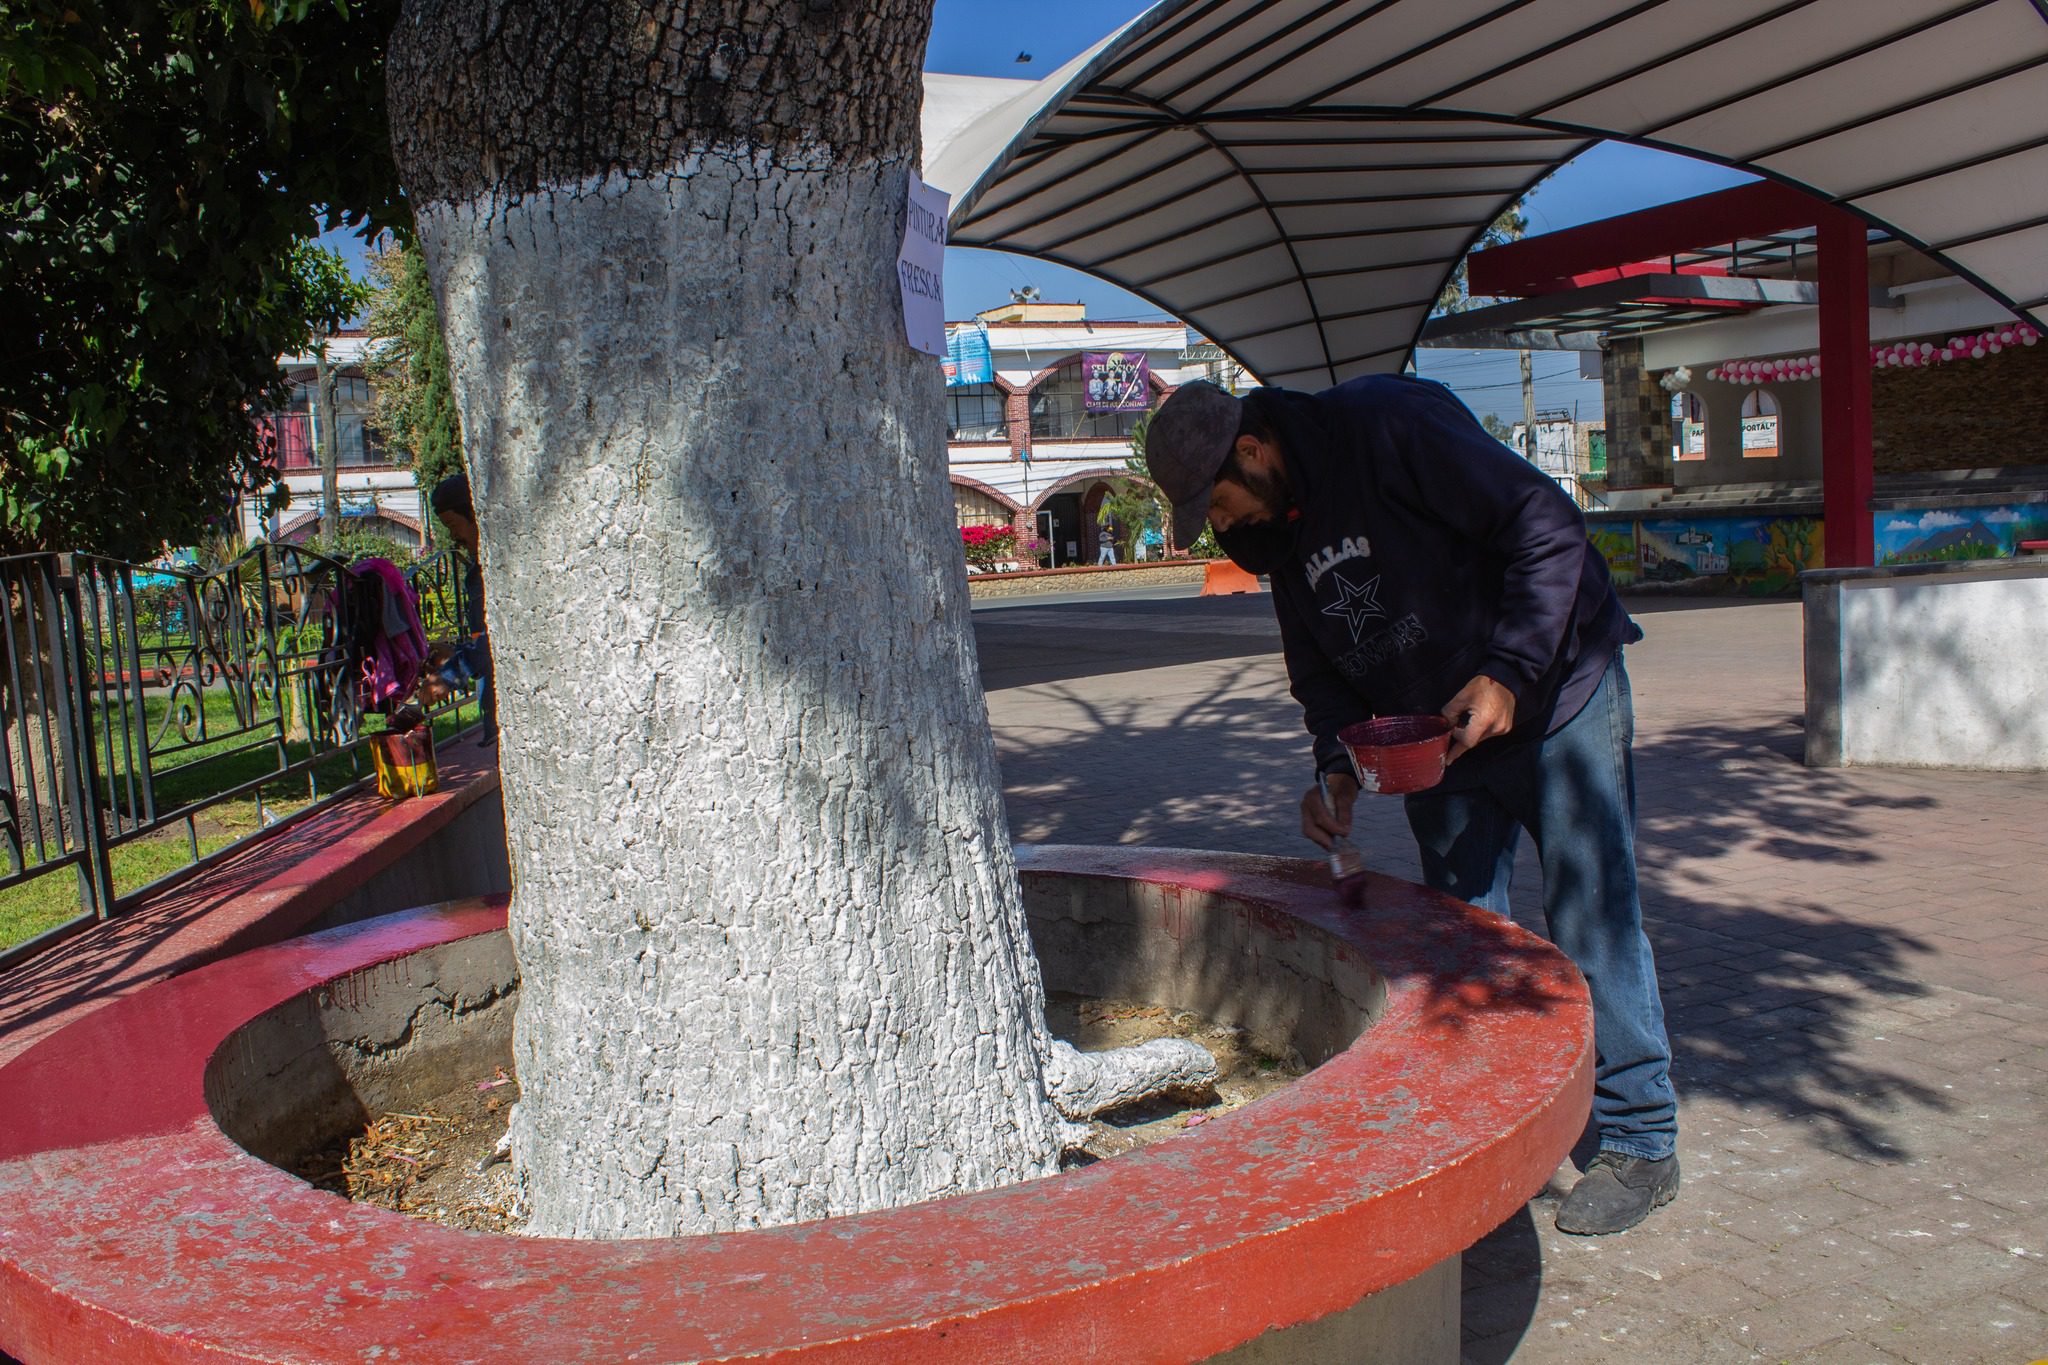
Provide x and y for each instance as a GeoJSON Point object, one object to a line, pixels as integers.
{"type": "Point", "coordinates": [1030, 445]}
{"type": "Point", "coordinates": [377, 494]}
{"type": "Point", "coordinates": [1708, 323]}
{"type": "Point", "coordinates": [1040, 417]}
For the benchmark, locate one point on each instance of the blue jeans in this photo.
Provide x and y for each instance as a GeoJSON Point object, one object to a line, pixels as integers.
{"type": "Point", "coordinates": [1575, 792]}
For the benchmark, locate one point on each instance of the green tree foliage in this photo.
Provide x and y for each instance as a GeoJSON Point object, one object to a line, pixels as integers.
{"type": "Point", "coordinates": [356, 543]}
{"type": "Point", "coordinates": [1508, 227]}
{"type": "Point", "coordinates": [408, 366]}
{"type": "Point", "coordinates": [1147, 506]}
{"type": "Point", "coordinates": [1135, 504]}
{"type": "Point", "coordinates": [163, 168]}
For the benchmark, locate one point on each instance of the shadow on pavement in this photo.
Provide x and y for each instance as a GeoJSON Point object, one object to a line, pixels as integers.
{"type": "Point", "coordinates": [1503, 1282]}
{"type": "Point", "coordinates": [1762, 991]}
{"type": "Point", "coordinates": [1641, 603]}
{"type": "Point", "coordinates": [1053, 641]}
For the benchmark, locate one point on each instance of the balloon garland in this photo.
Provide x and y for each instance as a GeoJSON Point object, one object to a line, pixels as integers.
{"type": "Point", "coordinates": [1892, 355]}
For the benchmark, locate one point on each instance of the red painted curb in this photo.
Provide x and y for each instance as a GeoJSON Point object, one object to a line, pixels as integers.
{"type": "Point", "coordinates": [133, 1229]}
{"type": "Point", "coordinates": [264, 894]}
{"type": "Point", "coordinates": [1129, 566]}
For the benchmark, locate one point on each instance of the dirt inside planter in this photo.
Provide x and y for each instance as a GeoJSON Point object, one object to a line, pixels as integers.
{"type": "Point", "coordinates": [429, 1160]}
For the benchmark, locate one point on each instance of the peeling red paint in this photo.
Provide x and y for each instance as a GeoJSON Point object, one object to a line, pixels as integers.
{"type": "Point", "coordinates": [270, 891]}
{"type": "Point", "coordinates": [133, 1229]}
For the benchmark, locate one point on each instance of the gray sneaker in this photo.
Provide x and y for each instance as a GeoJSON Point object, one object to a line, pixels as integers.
{"type": "Point", "coordinates": [1617, 1191]}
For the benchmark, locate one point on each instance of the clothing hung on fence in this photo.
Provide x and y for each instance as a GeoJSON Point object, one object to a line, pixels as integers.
{"type": "Point", "coordinates": [389, 645]}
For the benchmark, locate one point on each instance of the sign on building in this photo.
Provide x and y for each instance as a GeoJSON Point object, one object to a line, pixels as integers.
{"type": "Point", "coordinates": [968, 360]}
{"type": "Point", "coordinates": [1759, 438]}
{"type": "Point", "coordinates": [1116, 381]}
{"type": "Point", "coordinates": [1556, 446]}
{"type": "Point", "coordinates": [921, 268]}
{"type": "Point", "coordinates": [1693, 441]}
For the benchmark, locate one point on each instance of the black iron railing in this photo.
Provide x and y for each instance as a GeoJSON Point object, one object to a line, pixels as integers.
{"type": "Point", "coordinates": [156, 719]}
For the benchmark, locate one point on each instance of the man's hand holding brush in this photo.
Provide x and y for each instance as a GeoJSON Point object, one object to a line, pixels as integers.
{"type": "Point", "coordinates": [1323, 822]}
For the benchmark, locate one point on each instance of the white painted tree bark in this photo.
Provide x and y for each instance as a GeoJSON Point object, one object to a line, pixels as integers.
{"type": "Point", "coordinates": [773, 952]}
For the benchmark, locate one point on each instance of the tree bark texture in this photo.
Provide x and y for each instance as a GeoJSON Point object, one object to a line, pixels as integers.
{"type": "Point", "coordinates": [773, 952]}
{"type": "Point", "coordinates": [330, 450]}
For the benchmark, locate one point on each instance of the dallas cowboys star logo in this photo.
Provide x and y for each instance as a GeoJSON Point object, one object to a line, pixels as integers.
{"type": "Point", "coordinates": [1356, 603]}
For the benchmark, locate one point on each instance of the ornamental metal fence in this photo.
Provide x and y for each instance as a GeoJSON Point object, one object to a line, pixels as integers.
{"type": "Point", "coordinates": [154, 720]}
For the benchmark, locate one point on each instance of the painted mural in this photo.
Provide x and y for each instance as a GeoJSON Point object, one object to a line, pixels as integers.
{"type": "Point", "coordinates": [1753, 554]}
{"type": "Point", "coordinates": [1617, 545]}
{"type": "Point", "coordinates": [1932, 535]}
{"type": "Point", "coordinates": [1759, 556]}
{"type": "Point", "coordinates": [1763, 555]}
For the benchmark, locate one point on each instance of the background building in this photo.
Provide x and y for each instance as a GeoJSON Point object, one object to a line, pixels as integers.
{"type": "Point", "coordinates": [377, 494]}
{"type": "Point", "coordinates": [1705, 321]}
{"type": "Point", "coordinates": [1041, 404]}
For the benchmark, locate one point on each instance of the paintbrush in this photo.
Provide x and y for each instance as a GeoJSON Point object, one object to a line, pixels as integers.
{"type": "Point", "coordinates": [1348, 873]}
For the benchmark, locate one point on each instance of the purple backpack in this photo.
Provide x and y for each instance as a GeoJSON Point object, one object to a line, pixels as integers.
{"type": "Point", "coordinates": [391, 643]}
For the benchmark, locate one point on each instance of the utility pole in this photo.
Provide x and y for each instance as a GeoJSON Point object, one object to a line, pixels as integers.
{"type": "Point", "coordinates": [1528, 409]}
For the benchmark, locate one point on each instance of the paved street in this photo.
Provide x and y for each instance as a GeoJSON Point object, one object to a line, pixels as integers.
{"type": "Point", "coordinates": [1854, 962]}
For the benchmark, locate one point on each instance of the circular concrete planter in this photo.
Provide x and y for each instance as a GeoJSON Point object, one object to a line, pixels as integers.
{"type": "Point", "coordinates": [1323, 1222]}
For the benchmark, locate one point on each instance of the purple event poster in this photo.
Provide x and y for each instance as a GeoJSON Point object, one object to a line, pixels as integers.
{"type": "Point", "coordinates": [1116, 381]}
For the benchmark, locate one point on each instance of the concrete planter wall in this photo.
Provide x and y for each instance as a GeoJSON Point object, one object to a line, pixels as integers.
{"type": "Point", "coordinates": [137, 1222]}
{"type": "Point", "coordinates": [1928, 665]}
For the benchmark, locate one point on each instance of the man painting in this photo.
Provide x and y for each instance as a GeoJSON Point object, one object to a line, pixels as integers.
{"type": "Point", "coordinates": [1419, 566]}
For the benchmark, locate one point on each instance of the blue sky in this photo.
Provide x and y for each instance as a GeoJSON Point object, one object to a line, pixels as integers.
{"type": "Point", "coordinates": [981, 38]}
{"type": "Point", "coordinates": [985, 37]}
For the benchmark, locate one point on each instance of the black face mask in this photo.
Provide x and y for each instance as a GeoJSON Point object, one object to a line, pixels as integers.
{"type": "Point", "coordinates": [1258, 546]}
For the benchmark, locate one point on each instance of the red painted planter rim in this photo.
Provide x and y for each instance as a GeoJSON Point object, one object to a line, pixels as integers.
{"type": "Point", "coordinates": [133, 1229]}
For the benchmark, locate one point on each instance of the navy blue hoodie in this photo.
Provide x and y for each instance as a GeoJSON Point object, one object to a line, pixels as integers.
{"type": "Point", "coordinates": [1427, 553]}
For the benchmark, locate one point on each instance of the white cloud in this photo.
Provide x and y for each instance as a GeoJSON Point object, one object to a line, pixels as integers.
{"type": "Point", "coordinates": [1900, 526]}
{"type": "Point", "coordinates": [2001, 516]}
{"type": "Point", "coordinates": [1939, 521]}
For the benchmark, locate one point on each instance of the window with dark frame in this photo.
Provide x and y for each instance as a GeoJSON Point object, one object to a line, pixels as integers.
{"type": "Point", "coordinates": [974, 412]}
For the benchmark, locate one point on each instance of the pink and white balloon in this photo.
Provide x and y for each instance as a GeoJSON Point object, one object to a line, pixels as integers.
{"type": "Point", "coordinates": [1891, 355]}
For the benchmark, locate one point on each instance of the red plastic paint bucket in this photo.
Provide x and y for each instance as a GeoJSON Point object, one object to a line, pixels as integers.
{"type": "Point", "coordinates": [1397, 754]}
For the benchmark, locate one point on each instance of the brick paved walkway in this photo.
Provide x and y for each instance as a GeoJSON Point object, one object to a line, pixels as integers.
{"type": "Point", "coordinates": [1854, 962]}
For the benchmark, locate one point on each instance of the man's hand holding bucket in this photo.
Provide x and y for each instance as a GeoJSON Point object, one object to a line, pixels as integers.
{"type": "Point", "coordinates": [1482, 709]}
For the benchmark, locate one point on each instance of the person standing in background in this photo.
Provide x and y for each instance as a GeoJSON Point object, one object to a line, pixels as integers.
{"type": "Point", "coordinates": [471, 656]}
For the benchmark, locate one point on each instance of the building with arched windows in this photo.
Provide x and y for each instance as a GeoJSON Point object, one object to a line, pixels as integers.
{"type": "Point", "coordinates": [1029, 446]}
{"type": "Point", "coordinates": [377, 491]}
{"type": "Point", "coordinates": [1039, 419]}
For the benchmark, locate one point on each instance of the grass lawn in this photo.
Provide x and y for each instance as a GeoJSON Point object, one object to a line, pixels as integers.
{"type": "Point", "coordinates": [184, 778]}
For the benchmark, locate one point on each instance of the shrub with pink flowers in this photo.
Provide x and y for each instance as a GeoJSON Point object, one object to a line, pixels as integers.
{"type": "Point", "coordinates": [988, 546]}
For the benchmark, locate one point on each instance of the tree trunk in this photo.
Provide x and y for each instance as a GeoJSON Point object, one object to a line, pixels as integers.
{"type": "Point", "coordinates": [773, 952]}
{"type": "Point", "coordinates": [330, 456]}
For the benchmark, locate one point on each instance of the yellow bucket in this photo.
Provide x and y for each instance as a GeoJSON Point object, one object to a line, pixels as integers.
{"type": "Point", "coordinates": [405, 763]}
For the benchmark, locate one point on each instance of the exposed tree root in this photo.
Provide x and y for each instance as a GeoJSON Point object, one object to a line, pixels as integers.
{"type": "Point", "coordinates": [1083, 1084]}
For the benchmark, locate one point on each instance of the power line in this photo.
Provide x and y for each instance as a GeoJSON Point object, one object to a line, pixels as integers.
{"type": "Point", "coordinates": [1516, 383]}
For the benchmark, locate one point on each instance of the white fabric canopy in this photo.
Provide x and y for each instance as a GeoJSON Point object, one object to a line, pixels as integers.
{"type": "Point", "coordinates": [1297, 178]}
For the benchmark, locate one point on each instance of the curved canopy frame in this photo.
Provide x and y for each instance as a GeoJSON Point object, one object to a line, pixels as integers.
{"type": "Point", "coordinates": [1298, 179]}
